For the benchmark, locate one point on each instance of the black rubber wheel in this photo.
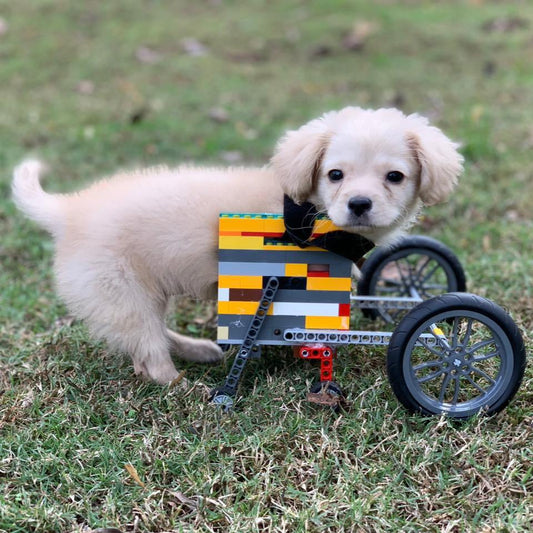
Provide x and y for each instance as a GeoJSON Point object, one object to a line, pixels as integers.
{"type": "Point", "coordinates": [456, 354]}
{"type": "Point", "coordinates": [328, 386]}
{"type": "Point", "coordinates": [416, 262]}
{"type": "Point", "coordinates": [333, 391]}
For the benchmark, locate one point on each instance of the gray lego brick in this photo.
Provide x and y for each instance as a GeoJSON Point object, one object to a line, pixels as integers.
{"type": "Point", "coordinates": [271, 331]}
{"type": "Point", "coordinates": [239, 268]}
{"type": "Point", "coordinates": [286, 295]}
{"type": "Point", "coordinates": [340, 266]}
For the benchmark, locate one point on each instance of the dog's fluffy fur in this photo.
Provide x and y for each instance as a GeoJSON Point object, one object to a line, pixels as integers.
{"type": "Point", "coordinates": [126, 244]}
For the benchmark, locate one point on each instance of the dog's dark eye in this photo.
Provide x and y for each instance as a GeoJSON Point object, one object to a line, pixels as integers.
{"type": "Point", "coordinates": [395, 176]}
{"type": "Point", "coordinates": [335, 175]}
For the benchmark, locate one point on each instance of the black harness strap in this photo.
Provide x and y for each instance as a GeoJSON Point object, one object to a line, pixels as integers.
{"type": "Point", "coordinates": [299, 221]}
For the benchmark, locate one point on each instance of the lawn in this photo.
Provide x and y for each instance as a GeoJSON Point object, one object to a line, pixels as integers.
{"type": "Point", "coordinates": [91, 87]}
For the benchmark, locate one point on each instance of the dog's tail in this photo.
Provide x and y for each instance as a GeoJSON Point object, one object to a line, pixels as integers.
{"type": "Point", "coordinates": [28, 195]}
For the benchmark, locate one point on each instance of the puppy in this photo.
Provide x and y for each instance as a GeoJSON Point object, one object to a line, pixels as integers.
{"type": "Point", "coordinates": [126, 244]}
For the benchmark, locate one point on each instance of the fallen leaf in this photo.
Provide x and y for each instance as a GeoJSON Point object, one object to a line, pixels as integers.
{"type": "Point", "coordinates": [218, 114]}
{"type": "Point", "coordinates": [189, 502]}
{"type": "Point", "coordinates": [85, 87]}
{"type": "Point", "coordinates": [506, 24]}
{"type": "Point", "coordinates": [132, 471]}
{"type": "Point", "coordinates": [138, 115]}
{"type": "Point", "coordinates": [486, 243]}
{"type": "Point", "coordinates": [147, 55]}
{"type": "Point", "coordinates": [477, 112]}
{"type": "Point", "coordinates": [359, 34]}
{"type": "Point", "coordinates": [193, 47]}
{"type": "Point", "coordinates": [321, 50]}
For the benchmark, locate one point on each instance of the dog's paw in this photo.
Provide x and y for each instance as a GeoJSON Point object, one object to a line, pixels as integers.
{"type": "Point", "coordinates": [162, 373]}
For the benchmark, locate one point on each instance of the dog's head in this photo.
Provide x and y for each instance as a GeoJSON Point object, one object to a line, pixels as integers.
{"type": "Point", "coordinates": [368, 170]}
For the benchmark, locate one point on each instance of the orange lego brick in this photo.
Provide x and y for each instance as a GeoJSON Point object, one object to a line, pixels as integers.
{"type": "Point", "coordinates": [327, 322]}
{"type": "Point", "coordinates": [240, 282]}
{"type": "Point", "coordinates": [328, 284]}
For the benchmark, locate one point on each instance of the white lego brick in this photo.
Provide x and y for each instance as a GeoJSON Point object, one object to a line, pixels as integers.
{"type": "Point", "coordinates": [223, 295]}
{"type": "Point", "coordinates": [305, 309]}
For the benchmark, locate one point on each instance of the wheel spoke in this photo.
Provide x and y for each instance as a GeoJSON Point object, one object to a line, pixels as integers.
{"type": "Point", "coordinates": [483, 374]}
{"type": "Point", "coordinates": [405, 281]}
{"type": "Point", "coordinates": [430, 274]}
{"type": "Point", "coordinates": [428, 364]}
{"type": "Point", "coordinates": [439, 286]}
{"type": "Point", "coordinates": [430, 377]}
{"type": "Point", "coordinates": [481, 344]}
{"type": "Point", "coordinates": [455, 329]}
{"type": "Point", "coordinates": [485, 357]}
{"type": "Point", "coordinates": [445, 383]}
{"type": "Point", "coordinates": [431, 349]}
{"type": "Point", "coordinates": [397, 289]}
{"type": "Point", "coordinates": [418, 271]}
{"type": "Point", "coordinates": [456, 388]}
{"type": "Point", "coordinates": [476, 385]}
{"type": "Point", "coordinates": [468, 332]}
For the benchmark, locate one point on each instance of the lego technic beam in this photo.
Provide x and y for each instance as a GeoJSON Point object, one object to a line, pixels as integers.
{"type": "Point", "coordinates": [297, 336]}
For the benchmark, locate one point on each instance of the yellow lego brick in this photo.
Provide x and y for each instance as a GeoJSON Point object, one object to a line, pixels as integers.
{"type": "Point", "coordinates": [239, 308]}
{"type": "Point", "coordinates": [222, 333]}
{"type": "Point", "coordinates": [240, 243]}
{"type": "Point", "coordinates": [227, 281]}
{"type": "Point", "coordinates": [324, 226]}
{"type": "Point", "coordinates": [273, 225]}
{"type": "Point", "coordinates": [240, 224]}
{"type": "Point", "coordinates": [290, 247]}
{"type": "Point", "coordinates": [252, 225]}
{"type": "Point", "coordinates": [329, 284]}
{"type": "Point", "coordinates": [327, 322]}
{"type": "Point", "coordinates": [296, 270]}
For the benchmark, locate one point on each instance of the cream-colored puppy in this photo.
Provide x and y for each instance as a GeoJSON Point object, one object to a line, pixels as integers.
{"type": "Point", "coordinates": [126, 244]}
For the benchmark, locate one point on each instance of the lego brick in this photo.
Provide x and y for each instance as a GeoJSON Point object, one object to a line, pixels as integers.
{"type": "Point", "coordinates": [329, 284]}
{"type": "Point", "coordinates": [317, 268]}
{"type": "Point", "coordinates": [271, 332]}
{"type": "Point", "coordinates": [222, 333]}
{"type": "Point", "coordinates": [253, 225]}
{"type": "Point", "coordinates": [245, 295]}
{"type": "Point", "coordinates": [223, 295]}
{"type": "Point", "coordinates": [240, 282]}
{"type": "Point", "coordinates": [240, 308]}
{"type": "Point", "coordinates": [282, 255]}
{"type": "Point", "coordinates": [318, 274]}
{"type": "Point", "coordinates": [337, 297]}
{"type": "Point", "coordinates": [305, 309]}
{"type": "Point", "coordinates": [295, 269]}
{"type": "Point", "coordinates": [323, 225]}
{"type": "Point", "coordinates": [271, 245]}
{"type": "Point", "coordinates": [327, 322]}
{"type": "Point", "coordinates": [251, 269]}
{"type": "Point", "coordinates": [292, 283]}
{"type": "Point", "coordinates": [345, 309]}
{"type": "Point", "coordinates": [240, 243]}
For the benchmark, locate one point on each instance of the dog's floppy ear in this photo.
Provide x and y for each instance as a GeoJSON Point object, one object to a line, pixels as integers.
{"type": "Point", "coordinates": [440, 162]}
{"type": "Point", "coordinates": [298, 157]}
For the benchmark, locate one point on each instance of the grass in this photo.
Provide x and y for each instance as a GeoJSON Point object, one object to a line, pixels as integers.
{"type": "Point", "coordinates": [72, 415]}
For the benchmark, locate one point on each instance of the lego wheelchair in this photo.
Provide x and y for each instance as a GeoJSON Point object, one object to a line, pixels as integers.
{"type": "Point", "coordinates": [450, 352]}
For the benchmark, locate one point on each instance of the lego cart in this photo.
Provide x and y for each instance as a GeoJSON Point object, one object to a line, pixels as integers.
{"type": "Point", "coordinates": [450, 351]}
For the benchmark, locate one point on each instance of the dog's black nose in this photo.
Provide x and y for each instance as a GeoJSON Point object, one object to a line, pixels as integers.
{"type": "Point", "coordinates": [359, 205]}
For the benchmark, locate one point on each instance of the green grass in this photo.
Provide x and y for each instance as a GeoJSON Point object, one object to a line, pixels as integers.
{"type": "Point", "coordinates": [72, 415]}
